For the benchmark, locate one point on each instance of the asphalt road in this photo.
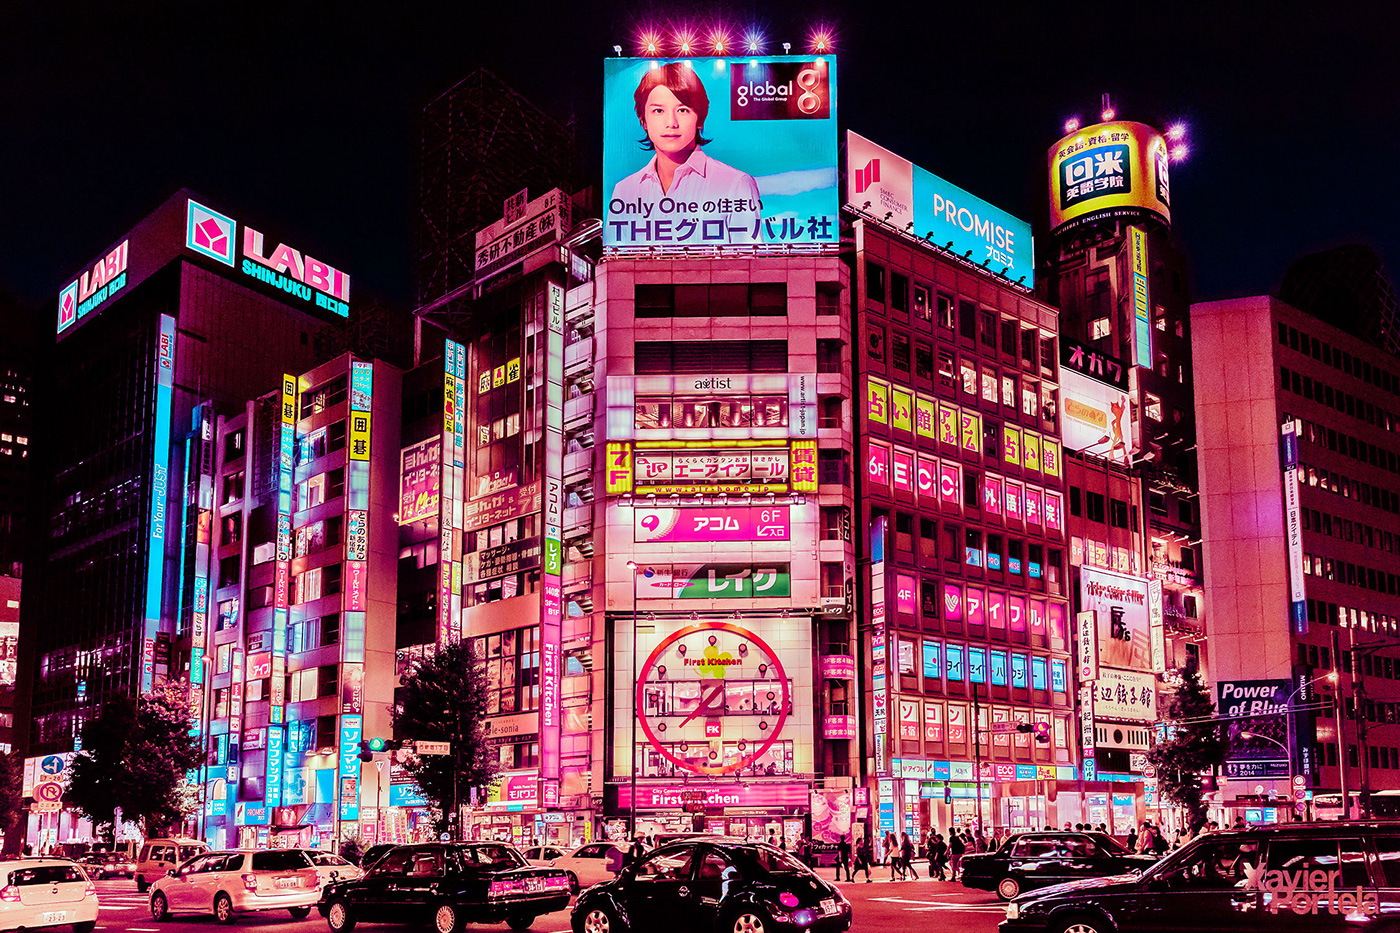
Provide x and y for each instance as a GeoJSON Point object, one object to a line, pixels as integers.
{"type": "Point", "coordinates": [882, 905]}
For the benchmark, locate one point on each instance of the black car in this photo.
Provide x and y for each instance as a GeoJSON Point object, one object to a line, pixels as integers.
{"type": "Point", "coordinates": [447, 886]}
{"type": "Point", "coordinates": [376, 852]}
{"type": "Point", "coordinates": [703, 885]}
{"type": "Point", "coordinates": [1035, 860]}
{"type": "Point", "coordinates": [1293, 878]}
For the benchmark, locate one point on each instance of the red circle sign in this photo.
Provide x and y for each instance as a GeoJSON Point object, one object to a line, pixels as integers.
{"type": "Point", "coordinates": [49, 792]}
{"type": "Point", "coordinates": [756, 749]}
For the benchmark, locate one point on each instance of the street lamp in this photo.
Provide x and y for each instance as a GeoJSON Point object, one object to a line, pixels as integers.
{"type": "Point", "coordinates": [206, 662]}
{"type": "Point", "coordinates": [1286, 751]}
{"type": "Point", "coordinates": [1330, 677]}
{"type": "Point", "coordinates": [632, 801]}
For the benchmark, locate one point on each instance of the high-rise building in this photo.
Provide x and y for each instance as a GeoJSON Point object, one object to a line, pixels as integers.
{"type": "Point", "coordinates": [1299, 458]}
{"type": "Point", "coordinates": [960, 509]}
{"type": "Point", "coordinates": [1347, 287]}
{"type": "Point", "coordinates": [192, 311]}
{"type": "Point", "coordinates": [18, 363]}
{"type": "Point", "coordinates": [1126, 409]}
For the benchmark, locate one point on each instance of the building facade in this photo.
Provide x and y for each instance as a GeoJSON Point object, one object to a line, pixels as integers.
{"type": "Point", "coordinates": [1298, 480]}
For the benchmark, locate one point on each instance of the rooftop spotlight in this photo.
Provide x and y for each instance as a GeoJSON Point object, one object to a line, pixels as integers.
{"type": "Point", "coordinates": [617, 50]}
{"type": "Point", "coordinates": [1179, 153]}
{"type": "Point", "coordinates": [787, 47]}
{"type": "Point", "coordinates": [1071, 124]}
{"type": "Point", "coordinates": [755, 42]}
{"type": "Point", "coordinates": [821, 43]}
{"type": "Point", "coordinates": [1176, 132]}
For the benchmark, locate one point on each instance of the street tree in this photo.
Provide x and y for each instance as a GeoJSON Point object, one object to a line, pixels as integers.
{"type": "Point", "coordinates": [1195, 745]}
{"type": "Point", "coordinates": [136, 755]}
{"type": "Point", "coordinates": [11, 799]}
{"type": "Point", "coordinates": [443, 699]}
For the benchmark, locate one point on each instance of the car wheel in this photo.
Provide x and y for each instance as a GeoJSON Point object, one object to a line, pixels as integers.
{"type": "Point", "coordinates": [520, 921]}
{"type": "Point", "coordinates": [447, 919]}
{"type": "Point", "coordinates": [749, 921]}
{"type": "Point", "coordinates": [87, 926]}
{"type": "Point", "coordinates": [1008, 888]}
{"type": "Point", "coordinates": [223, 908]}
{"type": "Point", "coordinates": [598, 920]}
{"type": "Point", "coordinates": [141, 884]}
{"type": "Point", "coordinates": [339, 918]}
{"type": "Point", "coordinates": [299, 913]}
{"type": "Point", "coordinates": [1085, 925]}
{"type": "Point", "coordinates": [160, 909]}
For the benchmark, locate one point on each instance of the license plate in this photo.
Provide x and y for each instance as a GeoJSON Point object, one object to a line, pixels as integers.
{"type": "Point", "coordinates": [288, 882]}
{"type": "Point", "coordinates": [532, 885]}
{"type": "Point", "coordinates": [829, 906]}
{"type": "Point", "coordinates": [55, 916]}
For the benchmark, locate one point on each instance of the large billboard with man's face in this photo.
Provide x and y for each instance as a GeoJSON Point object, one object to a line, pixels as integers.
{"type": "Point", "coordinates": [719, 152]}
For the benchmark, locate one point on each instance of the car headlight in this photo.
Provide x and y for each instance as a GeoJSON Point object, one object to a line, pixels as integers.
{"type": "Point", "coordinates": [1013, 911]}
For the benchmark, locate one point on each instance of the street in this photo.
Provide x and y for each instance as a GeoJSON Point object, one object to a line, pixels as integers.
{"type": "Point", "coordinates": [878, 906]}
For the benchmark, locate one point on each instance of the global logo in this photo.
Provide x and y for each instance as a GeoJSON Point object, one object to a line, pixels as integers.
{"type": "Point", "coordinates": [780, 90]}
{"type": "Point", "coordinates": [209, 233]}
{"type": "Point", "coordinates": [809, 101]}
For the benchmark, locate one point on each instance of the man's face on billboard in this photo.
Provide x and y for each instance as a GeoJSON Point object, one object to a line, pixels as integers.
{"type": "Point", "coordinates": [669, 124]}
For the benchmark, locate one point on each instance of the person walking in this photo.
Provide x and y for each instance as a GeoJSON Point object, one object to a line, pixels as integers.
{"type": "Point", "coordinates": [906, 853]}
{"type": "Point", "coordinates": [938, 857]}
{"type": "Point", "coordinates": [956, 849]}
{"type": "Point", "coordinates": [1132, 839]}
{"type": "Point", "coordinates": [865, 853]}
{"type": "Point", "coordinates": [843, 858]}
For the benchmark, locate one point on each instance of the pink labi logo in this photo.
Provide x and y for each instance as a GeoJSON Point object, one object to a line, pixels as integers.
{"type": "Point", "coordinates": [209, 233]}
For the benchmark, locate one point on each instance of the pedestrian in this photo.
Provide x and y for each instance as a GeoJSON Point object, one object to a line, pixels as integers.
{"type": "Point", "coordinates": [889, 846]}
{"type": "Point", "coordinates": [906, 853]}
{"type": "Point", "coordinates": [979, 841]}
{"type": "Point", "coordinates": [938, 858]}
{"type": "Point", "coordinates": [635, 851]}
{"type": "Point", "coordinates": [1159, 842]}
{"type": "Point", "coordinates": [773, 838]}
{"type": "Point", "coordinates": [1132, 839]}
{"type": "Point", "coordinates": [865, 853]}
{"type": "Point", "coordinates": [956, 848]}
{"type": "Point", "coordinates": [1143, 843]}
{"type": "Point", "coordinates": [843, 858]}
{"type": "Point", "coordinates": [1068, 826]}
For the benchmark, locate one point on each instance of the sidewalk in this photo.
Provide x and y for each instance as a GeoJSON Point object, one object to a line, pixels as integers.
{"type": "Point", "coordinates": [881, 874]}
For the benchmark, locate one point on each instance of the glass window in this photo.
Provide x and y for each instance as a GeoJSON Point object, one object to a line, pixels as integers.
{"type": "Point", "coordinates": [673, 865]}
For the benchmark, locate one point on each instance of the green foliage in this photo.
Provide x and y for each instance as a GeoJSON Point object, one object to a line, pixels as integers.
{"type": "Point", "coordinates": [135, 756]}
{"type": "Point", "coordinates": [11, 799]}
{"type": "Point", "coordinates": [1196, 746]}
{"type": "Point", "coordinates": [443, 699]}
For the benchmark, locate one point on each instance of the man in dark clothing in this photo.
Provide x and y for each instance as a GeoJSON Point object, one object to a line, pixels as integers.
{"type": "Point", "coordinates": [635, 852]}
{"type": "Point", "coordinates": [865, 852]}
{"type": "Point", "coordinates": [938, 857]}
{"type": "Point", "coordinates": [906, 855]}
{"type": "Point", "coordinates": [843, 859]}
{"type": "Point", "coordinates": [956, 849]}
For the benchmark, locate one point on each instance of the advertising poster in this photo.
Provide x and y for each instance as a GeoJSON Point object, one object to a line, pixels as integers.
{"type": "Point", "coordinates": [1109, 170]}
{"type": "Point", "coordinates": [722, 523]}
{"type": "Point", "coordinates": [714, 152]}
{"type": "Point", "coordinates": [1097, 417]}
{"type": "Point", "coordinates": [1263, 704]}
{"type": "Point", "coordinates": [1124, 627]}
{"type": "Point", "coordinates": [831, 815]}
{"type": "Point", "coordinates": [1125, 695]}
{"type": "Point", "coordinates": [714, 581]}
{"type": "Point", "coordinates": [880, 182]}
{"type": "Point", "coordinates": [419, 485]}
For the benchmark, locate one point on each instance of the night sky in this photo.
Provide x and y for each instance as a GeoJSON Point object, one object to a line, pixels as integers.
{"type": "Point", "coordinates": [306, 115]}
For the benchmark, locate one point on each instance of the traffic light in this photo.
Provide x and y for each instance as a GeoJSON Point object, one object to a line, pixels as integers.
{"type": "Point", "coordinates": [366, 754]}
{"type": "Point", "coordinates": [1040, 729]}
{"type": "Point", "coordinates": [947, 793]}
{"type": "Point", "coordinates": [377, 744]}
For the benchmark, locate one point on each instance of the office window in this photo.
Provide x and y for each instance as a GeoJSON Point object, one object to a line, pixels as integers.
{"type": "Point", "coordinates": [874, 281]}
{"type": "Point", "coordinates": [1094, 506]}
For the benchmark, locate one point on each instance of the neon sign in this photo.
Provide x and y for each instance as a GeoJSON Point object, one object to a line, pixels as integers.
{"type": "Point", "coordinates": [92, 288]}
{"type": "Point", "coordinates": [160, 484]}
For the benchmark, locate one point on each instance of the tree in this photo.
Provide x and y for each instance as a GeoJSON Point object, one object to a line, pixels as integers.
{"type": "Point", "coordinates": [11, 799]}
{"type": "Point", "coordinates": [1195, 745]}
{"type": "Point", "coordinates": [135, 756]}
{"type": "Point", "coordinates": [444, 700]}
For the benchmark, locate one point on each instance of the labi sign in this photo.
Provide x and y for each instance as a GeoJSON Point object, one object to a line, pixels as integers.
{"type": "Point", "coordinates": [1307, 892]}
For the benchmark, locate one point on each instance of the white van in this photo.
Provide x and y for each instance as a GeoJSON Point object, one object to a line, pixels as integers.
{"type": "Point", "coordinates": [158, 856]}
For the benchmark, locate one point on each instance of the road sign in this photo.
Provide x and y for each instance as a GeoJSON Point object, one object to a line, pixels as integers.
{"type": "Point", "coordinates": [48, 797]}
{"type": "Point", "coordinates": [432, 748]}
{"type": "Point", "coordinates": [444, 837]}
{"type": "Point", "coordinates": [51, 764]}
{"type": "Point", "coordinates": [1298, 780]}
{"type": "Point", "coordinates": [1148, 772]}
{"type": "Point", "coordinates": [1298, 794]}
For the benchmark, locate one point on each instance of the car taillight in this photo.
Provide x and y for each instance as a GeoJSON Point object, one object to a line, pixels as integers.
{"type": "Point", "coordinates": [90, 890]}
{"type": "Point", "coordinates": [9, 893]}
{"type": "Point", "coordinates": [250, 881]}
{"type": "Point", "coordinates": [502, 888]}
{"type": "Point", "coordinates": [788, 900]}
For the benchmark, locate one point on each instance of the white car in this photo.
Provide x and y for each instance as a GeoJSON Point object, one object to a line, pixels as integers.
{"type": "Point", "coordinates": [331, 867]}
{"type": "Point", "coordinates": [39, 893]}
{"type": "Point", "coordinates": [591, 864]}
{"type": "Point", "coordinates": [237, 881]}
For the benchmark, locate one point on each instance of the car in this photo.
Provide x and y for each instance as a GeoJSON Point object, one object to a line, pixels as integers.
{"type": "Point", "coordinates": [1035, 860]}
{"type": "Point", "coordinates": [591, 864]}
{"type": "Point", "coordinates": [542, 855]}
{"type": "Point", "coordinates": [447, 885]}
{"type": "Point", "coordinates": [99, 865]}
{"type": "Point", "coordinates": [158, 856]}
{"type": "Point", "coordinates": [376, 852]}
{"type": "Point", "coordinates": [1301, 877]}
{"type": "Point", "coordinates": [331, 867]}
{"type": "Point", "coordinates": [46, 892]}
{"type": "Point", "coordinates": [237, 881]}
{"type": "Point", "coordinates": [731, 887]}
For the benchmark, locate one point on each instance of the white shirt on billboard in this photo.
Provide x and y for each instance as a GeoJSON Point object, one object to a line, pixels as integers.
{"type": "Point", "coordinates": [698, 180]}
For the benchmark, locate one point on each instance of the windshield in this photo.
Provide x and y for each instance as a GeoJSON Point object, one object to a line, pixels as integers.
{"type": "Point", "coordinates": [771, 859]}
{"type": "Point", "coordinates": [492, 855]}
{"type": "Point", "coordinates": [1113, 846]}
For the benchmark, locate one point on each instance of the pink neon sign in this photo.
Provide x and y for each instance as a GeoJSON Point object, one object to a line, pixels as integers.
{"type": "Point", "coordinates": [878, 464]}
{"type": "Point", "coordinates": [975, 606]}
{"type": "Point", "coordinates": [927, 477]}
{"type": "Point", "coordinates": [731, 523]}
{"type": "Point", "coordinates": [1013, 500]}
{"type": "Point", "coordinates": [902, 474]}
{"type": "Point", "coordinates": [1053, 512]}
{"type": "Point", "coordinates": [1016, 612]}
{"type": "Point", "coordinates": [904, 594]}
{"type": "Point", "coordinates": [1033, 503]}
{"type": "Point", "coordinates": [992, 491]}
{"type": "Point", "coordinates": [996, 611]}
{"type": "Point", "coordinates": [952, 602]}
{"type": "Point", "coordinates": [949, 482]}
{"type": "Point", "coordinates": [1056, 615]}
{"type": "Point", "coordinates": [1037, 611]}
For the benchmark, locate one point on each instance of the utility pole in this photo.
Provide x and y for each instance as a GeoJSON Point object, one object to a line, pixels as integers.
{"type": "Point", "coordinates": [977, 752]}
{"type": "Point", "coordinates": [1340, 713]}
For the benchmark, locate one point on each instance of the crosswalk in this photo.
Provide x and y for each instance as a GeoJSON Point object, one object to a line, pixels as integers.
{"type": "Point", "coordinates": [916, 905]}
{"type": "Point", "coordinates": [118, 899]}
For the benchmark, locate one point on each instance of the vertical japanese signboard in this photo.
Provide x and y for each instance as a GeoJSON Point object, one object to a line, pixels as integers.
{"type": "Point", "coordinates": [551, 605]}
{"type": "Point", "coordinates": [1293, 528]}
{"type": "Point", "coordinates": [1142, 322]}
{"type": "Point", "coordinates": [355, 574]}
{"type": "Point", "coordinates": [453, 457]}
{"type": "Point", "coordinates": [348, 785]}
{"type": "Point", "coordinates": [160, 483]}
{"type": "Point", "coordinates": [277, 694]}
{"type": "Point", "coordinates": [879, 646]}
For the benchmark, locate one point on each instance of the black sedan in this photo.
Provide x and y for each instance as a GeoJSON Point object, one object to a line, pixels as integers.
{"type": "Point", "coordinates": [447, 886]}
{"type": "Point", "coordinates": [1037, 860]}
{"type": "Point", "coordinates": [699, 886]}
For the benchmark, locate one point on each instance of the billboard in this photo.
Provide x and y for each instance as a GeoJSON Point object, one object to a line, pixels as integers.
{"type": "Point", "coordinates": [712, 523]}
{"type": "Point", "coordinates": [714, 152]}
{"type": "Point", "coordinates": [714, 581]}
{"type": "Point", "coordinates": [419, 485]}
{"type": "Point", "coordinates": [1261, 707]}
{"type": "Point", "coordinates": [1123, 625]}
{"type": "Point", "coordinates": [1106, 171]}
{"type": "Point", "coordinates": [879, 182]}
{"type": "Point", "coordinates": [1096, 417]}
{"type": "Point", "coordinates": [1125, 695]}
{"type": "Point", "coordinates": [523, 232]}
{"type": "Point", "coordinates": [1292, 515]}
